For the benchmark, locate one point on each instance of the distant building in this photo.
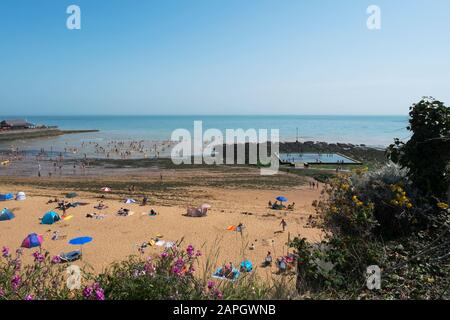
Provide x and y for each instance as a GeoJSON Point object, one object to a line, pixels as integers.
{"type": "Point", "coordinates": [16, 124]}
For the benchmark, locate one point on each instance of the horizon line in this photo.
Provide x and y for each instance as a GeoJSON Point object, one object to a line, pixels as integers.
{"type": "Point", "coordinates": [203, 115]}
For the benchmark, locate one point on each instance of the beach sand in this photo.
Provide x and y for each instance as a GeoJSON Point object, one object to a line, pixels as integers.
{"type": "Point", "coordinates": [117, 237]}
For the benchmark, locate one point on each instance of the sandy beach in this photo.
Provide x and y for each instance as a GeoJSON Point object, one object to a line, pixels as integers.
{"type": "Point", "coordinates": [241, 197]}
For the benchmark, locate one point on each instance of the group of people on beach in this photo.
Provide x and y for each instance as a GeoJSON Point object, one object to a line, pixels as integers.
{"type": "Point", "coordinates": [313, 185]}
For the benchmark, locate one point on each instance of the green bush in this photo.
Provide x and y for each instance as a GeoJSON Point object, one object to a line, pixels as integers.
{"type": "Point", "coordinates": [426, 154]}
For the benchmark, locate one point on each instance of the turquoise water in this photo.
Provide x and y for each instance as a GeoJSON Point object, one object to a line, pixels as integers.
{"type": "Point", "coordinates": [369, 130]}
{"type": "Point", "coordinates": [314, 158]}
{"type": "Point", "coordinates": [374, 130]}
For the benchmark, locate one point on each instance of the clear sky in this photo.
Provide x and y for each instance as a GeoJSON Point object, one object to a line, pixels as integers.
{"type": "Point", "coordinates": [222, 57]}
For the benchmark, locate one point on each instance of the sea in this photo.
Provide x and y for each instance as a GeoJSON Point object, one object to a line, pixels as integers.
{"type": "Point", "coordinates": [376, 131]}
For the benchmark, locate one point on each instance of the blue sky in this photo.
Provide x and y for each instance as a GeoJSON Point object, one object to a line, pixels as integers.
{"type": "Point", "coordinates": [222, 57]}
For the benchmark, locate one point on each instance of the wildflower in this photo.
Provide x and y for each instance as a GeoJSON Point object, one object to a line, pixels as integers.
{"type": "Point", "coordinates": [38, 257]}
{"type": "Point", "coordinates": [5, 252]}
{"type": "Point", "coordinates": [17, 264]}
{"type": "Point", "coordinates": [198, 253]}
{"type": "Point", "coordinates": [211, 284]}
{"type": "Point", "coordinates": [16, 282]}
{"type": "Point", "coordinates": [442, 205]}
{"type": "Point", "coordinates": [95, 291]}
{"type": "Point", "coordinates": [218, 294]}
{"type": "Point", "coordinates": [149, 268]}
{"type": "Point", "coordinates": [2, 292]}
{"type": "Point", "coordinates": [56, 260]}
{"type": "Point", "coordinates": [99, 294]}
{"type": "Point", "coordinates": [29, 297]}
{"type": "Point", "coordinates": [190, 250]}
{"type": "Point", "coordinates": [164, 255]}
{"type": "Point", "coordinates": [87, 292]}
{"type": "Point", "coordinates": [19, 252]}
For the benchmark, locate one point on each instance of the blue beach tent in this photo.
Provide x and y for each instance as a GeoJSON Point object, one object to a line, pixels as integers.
{"type": "Point", "coordinates": [50, 218]}
{"type": "Point", "coordinates": [6, 214]}
{"type": "Point", "coordinates": [246, 266]}
{"type": "Point", "coordinates": [7, 196]}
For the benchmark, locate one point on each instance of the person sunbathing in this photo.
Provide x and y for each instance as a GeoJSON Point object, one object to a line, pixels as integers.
{"type": "Point", "coordinates": [227, 271]}
{"type": "Point", "coordinates": [277, 206]}
{"type": "Point", "coordinates": [53, 201]}
{"type": "Point", "coordinates": [123, 212]}
{"type": "Point", "coordinates": [267, 260]}
{"type": "Point", "coordinates": [291, 206]}
{"type": "Point", "coordinates": [281, 264]}
{"type": "Point", "coordinates": [100, 206]}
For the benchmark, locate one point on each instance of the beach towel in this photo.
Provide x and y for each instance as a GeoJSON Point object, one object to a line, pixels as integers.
{"type": "Point", "coordinates": [160, 243]}
{"type": "Point", "coordinates": [70, 256]}
{"type": "Point", "coordinates": [231, 228]}
{"type": "Point", "coordinates": [67, 218]}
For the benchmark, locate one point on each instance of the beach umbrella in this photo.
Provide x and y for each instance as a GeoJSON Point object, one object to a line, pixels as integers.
{"type": "Point", "coordinates": [32, 240]}
{"type": "Point", "coordinates": [80, 241]}
{"type": "Point", "coordinates": [281, 199]}
{"type": "Point", "coordinates": [130, 201]}
{"type": "Point", "coordinates": [6, 214]}
{"type": "Point", "coordinates": [105, 189]}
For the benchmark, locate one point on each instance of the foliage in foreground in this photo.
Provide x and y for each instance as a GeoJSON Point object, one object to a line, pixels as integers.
{"type": "Point", "coordinates": [169, 276]}
{"type": "Point", "coordinates": [414, 264]}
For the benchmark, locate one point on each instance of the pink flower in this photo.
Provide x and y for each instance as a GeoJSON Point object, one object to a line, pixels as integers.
{"type": "Point", "coordinates": [29, 297]}
{"type": "Point", "coordinates": [94, 292]}
{"type": "Point", "coordinates": [38, 257]}
{"type": "Point", "coordinates": [87, 292]}
{"type": "Point", "coordinates": [2, 292]}
{"type": "Point", "coordinates": [164, 255]}
{"type": "Point", "coordinates": [56, 260]}
{"type": "Point", "coordinates": [16, 282]}
{"type": "Point", "coordinates": [211, 284]}
{"type": "Point", "coordinates": [198, 253]}
{"type": "Point", "coordinates": [99, 294]}
{"type": "Point", "coordinates": [190, 250]}
{"type": "Point", "coordinates": [5, 252]}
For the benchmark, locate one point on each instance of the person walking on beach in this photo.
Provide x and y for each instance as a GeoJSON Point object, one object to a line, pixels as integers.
{"type": "Point", "coordinates": [64, 208]}
{"type": "Point", "coordinates": [240, 228]}
{"type": "Point", "coordinates": [283, 224]}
